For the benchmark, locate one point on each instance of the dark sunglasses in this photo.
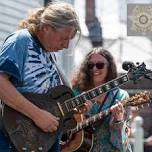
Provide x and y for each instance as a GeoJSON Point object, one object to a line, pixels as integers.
{"type": "Point", "coordinates": [99, 65]}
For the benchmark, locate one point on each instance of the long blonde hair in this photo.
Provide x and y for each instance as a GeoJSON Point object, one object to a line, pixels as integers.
{"type": "Point", "coordinates": [55, 14]}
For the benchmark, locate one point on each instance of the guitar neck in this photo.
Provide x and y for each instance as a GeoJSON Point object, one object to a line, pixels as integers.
{"type": "Point", "coordinates": [89, 121]}
{"type": "Point", "coordinates": [78, 101]}
{"type": "Point", "coordinates": [95, 118]}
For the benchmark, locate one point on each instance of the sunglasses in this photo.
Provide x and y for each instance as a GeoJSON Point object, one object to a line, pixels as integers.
{"type": "Point", "coordinates": [99, 65]}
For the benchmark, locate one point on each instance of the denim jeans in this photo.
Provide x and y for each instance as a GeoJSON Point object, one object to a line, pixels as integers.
{"type": "Point", "coordinates": [55, 147]}
{"type": "Point", "coordinates": [5, 144]}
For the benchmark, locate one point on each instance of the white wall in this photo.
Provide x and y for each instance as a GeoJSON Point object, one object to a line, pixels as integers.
{"type": "Point", "coordinates": [11, 12]}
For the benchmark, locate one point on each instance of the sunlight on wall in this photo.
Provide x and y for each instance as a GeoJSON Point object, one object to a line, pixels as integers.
{"type": "Point", "coordinates": [78, 57]}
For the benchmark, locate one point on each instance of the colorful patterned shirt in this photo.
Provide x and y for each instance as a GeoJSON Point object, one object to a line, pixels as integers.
{"type": "Point", "coordinates": [108, 137]}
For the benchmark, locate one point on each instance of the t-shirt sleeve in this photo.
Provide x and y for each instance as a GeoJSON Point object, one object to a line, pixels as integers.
{"type": "Point", "coordinates": [11, 58]}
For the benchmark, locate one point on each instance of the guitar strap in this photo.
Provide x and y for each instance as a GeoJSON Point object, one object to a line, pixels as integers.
{"type": "Point", "coordinates": [62, 75]}
{"type": "Point", "coordinates": [113, 99]}
{"type": "Point", "coordinates": [103, 102]}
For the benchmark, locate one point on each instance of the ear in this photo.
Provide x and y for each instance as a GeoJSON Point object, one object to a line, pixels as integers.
{"type": "Point", "coordinates": [45, 28]}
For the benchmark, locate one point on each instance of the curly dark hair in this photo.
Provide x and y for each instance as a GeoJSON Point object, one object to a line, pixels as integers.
{"type": "Point", "coordinates": [83, 79]}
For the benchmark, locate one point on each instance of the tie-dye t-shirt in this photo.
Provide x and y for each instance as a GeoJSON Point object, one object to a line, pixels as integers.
{"type": "Point", "coordinates": [30, 67]}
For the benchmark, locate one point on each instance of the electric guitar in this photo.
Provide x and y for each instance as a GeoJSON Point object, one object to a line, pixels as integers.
{"type": "Point", "coordinates": [78, 139]}
{"type": "Point", "coordinates": [59, 101]}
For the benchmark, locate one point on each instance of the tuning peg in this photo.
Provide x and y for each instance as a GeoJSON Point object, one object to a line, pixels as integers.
{"type": "Point", "coordinates": [137, 108]}
{"type": "Point", "coordinates": [141, 106]}
{"type": "Point", "coordinates": [137, 63]}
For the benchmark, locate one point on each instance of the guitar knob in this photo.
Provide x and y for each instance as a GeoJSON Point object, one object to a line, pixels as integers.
{"type": "Point", "coordinates": [40, 148]}
{"type": "Point", "coordinates": [24, 148]}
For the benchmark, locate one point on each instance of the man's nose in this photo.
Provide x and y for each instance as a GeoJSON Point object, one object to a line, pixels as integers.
{"type": "Point", "coordinates": [65, 44]}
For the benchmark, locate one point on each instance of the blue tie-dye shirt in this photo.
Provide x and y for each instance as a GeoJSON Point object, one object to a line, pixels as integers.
{"type": "Point", "coordinates": [30, 67]}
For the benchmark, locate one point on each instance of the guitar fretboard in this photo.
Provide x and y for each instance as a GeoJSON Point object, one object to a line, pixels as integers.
{"type": "Point", "coordinates": [93, 93]}
{"type": "Point", "coordinates": [90, 121]}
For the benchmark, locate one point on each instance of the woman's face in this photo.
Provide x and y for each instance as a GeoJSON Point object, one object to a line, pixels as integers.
{"type": "Point", "coordinates": [98, 66]}
{"type": "Point", "coordinates": [54, 40]}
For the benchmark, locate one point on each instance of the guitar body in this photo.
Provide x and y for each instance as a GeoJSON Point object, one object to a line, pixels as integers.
{"type": "Point", "coordinates": [24, 134]}
{"type": "Point", "coordinates": [81, 141]}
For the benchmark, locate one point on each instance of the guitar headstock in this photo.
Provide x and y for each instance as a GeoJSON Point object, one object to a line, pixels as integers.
{"type": "Point", "coordinates": [138, 71]}
{"type": "Point", "coordinates": [138, 99]}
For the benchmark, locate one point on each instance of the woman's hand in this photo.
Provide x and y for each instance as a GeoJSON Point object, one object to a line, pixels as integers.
{"type": "Point", "coordinates": [86, 107]}
{"type": "Point", "coordinates": [46, 121]}
{"type": "Point", "coordinates": [117, 111]}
